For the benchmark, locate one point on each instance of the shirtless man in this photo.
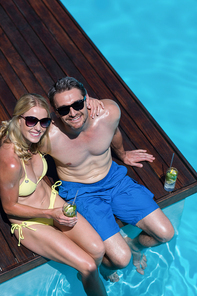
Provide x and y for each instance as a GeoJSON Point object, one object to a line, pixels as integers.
{"type": "Point", "coordinates": [81, 149]}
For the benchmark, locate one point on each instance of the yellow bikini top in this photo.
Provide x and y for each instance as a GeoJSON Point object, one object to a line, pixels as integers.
{"type": "Point", "coordinates": [27, 187]}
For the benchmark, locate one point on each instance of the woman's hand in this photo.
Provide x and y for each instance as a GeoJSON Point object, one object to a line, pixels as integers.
{"type": "Point", "coordinates": [58, 216]}
{"type": "Point", "coordinates": [95, 106]}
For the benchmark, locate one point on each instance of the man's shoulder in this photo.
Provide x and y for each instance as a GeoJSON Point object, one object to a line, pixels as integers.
{"type": "Point", "coordinates": [110, 103]}
{"type": "Point", "coordinates": [111, 109]}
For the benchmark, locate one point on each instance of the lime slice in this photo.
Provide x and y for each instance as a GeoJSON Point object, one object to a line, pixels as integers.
{"type": "Point", "coordinates": [173, 172]}
{"type": "Point", "coordinates": [70, 210]}
{"type": "Point", "coordinates": [171, 177]}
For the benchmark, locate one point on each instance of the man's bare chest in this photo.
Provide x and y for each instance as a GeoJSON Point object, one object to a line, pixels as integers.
{"type": "Point", "coordinates": [74, 152]}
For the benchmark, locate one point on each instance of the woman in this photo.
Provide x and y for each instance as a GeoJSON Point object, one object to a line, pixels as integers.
{"type": "Point", "coordinates": [33, 208]}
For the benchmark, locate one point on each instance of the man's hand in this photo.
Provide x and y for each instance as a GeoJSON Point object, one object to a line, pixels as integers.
{"type": "Point", "coordinates": [94, 105]}
{"type": "Point", "coordinates": [133, 157]}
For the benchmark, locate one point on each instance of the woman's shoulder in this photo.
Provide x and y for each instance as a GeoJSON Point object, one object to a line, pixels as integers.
{"type": "Point", "coordinates": [9, 161]}
{"type": "Point", "coordinates": [10, 170]}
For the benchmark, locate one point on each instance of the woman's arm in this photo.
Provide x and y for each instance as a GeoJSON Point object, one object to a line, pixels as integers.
{"type": "Point", "coordinates": [10, 175]}
{"type": "Point", "coordinates": [95, 106]}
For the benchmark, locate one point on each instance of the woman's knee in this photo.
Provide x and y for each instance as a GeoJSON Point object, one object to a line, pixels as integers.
{"type": "Point", "coordinates": [97, 250]}
{"type": "Point", "coordinates": [88, 268]}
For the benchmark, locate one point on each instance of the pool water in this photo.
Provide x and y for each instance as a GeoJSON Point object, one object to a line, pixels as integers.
{"type": "Point", "coordinates": [153, 47]}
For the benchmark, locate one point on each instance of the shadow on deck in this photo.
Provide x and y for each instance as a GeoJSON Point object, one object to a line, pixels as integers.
{"type": "Point", "coordinates": [41, 42]}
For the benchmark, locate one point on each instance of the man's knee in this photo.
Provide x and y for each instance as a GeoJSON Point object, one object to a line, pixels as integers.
{"type": "Point", "coordinates": [166, 233]}
{"type": "Point", "coordinates": [158, 226]}
{"type": "Point", "coordinates": [117, 251]}
{"type": "Point", "coordinates": [122, 259]}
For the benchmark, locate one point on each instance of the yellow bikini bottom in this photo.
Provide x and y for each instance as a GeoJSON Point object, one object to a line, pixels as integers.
{"type": "Point", "coordinates": [44, 221]}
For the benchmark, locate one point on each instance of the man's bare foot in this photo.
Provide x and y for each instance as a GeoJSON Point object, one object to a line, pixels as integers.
{"type": "Point", "coordinates": [109, 275]}
{"type": "Point", "coordinates": [139, 259]}
{"type": "Point", "coordinates": [114, 277]}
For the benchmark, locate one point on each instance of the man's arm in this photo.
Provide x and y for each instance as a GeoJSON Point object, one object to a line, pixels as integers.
{"type": "Point", "coordinates": [129, 157]}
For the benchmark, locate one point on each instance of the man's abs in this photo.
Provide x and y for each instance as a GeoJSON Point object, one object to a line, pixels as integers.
{"type": "Point", "coordinates": [90, 170]}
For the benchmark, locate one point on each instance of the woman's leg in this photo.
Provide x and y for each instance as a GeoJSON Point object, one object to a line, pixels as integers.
{"type": "Point", "coordinates": [83, 234]}
{"type": "Point", "coordinates": [55, 245]}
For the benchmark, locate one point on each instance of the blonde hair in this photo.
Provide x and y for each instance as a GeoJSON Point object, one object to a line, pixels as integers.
{"type": "Point", "coordinates": [10, 131]}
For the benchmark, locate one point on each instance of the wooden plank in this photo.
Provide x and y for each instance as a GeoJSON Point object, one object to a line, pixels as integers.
{"type": "Point", "coordinates": [8, 258]}
{"type": "Point", "coordinates": [58, 50]}
{"type": "Point", "coordinates": [7, 105]}
{"type": "Point", "coordinates": [14, 260]}
{"type": "Point", "coordinates": [19, 269]}
{"type": "Point", "coordinates": [8, 72]}
{"type": "Point", "coordinates": [21, 57]}
{"type": "Point", "coordinates": [20, 254]}
{"type": "Point", "coordinates": [26, 25]}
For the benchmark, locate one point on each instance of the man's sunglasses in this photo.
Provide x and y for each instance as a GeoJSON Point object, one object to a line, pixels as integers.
{"type": "Point", "coordinates": [78, 105]}
{"type": "Point", "coordinates": [31, 121]}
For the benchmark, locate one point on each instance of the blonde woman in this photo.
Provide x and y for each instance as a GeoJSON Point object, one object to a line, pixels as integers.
{"type": "Point", "coordinates": [33, 208]}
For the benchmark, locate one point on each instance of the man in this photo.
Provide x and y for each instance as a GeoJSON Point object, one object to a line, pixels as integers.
{"type": "Point", "coordinates": [80, 147]}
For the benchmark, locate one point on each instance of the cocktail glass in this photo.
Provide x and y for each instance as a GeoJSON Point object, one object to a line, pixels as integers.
{"type": "Point", "coordinates": [170, 179]}
{"type": "Point", "coordinates": [70, 209]}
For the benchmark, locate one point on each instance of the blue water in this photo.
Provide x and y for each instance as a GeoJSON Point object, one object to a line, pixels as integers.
{"type": "Point", "coordinates": [153, 47]}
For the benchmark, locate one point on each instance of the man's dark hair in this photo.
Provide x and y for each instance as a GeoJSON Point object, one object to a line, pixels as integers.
{"type": "Point", "coordinates": [63, 84]}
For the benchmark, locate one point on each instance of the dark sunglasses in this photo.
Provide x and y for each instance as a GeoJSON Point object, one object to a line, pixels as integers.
{"type": "Point", "coordinates": [78, 105]}
{"type": "Point", "coordinates": [31, 121]}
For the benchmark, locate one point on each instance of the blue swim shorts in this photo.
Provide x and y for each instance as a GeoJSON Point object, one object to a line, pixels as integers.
{"type": "Point", "coordinates": [117, 194]}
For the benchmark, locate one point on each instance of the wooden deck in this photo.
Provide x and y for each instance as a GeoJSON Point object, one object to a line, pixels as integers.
{"type": "Point", "coordinates": [41, 42]}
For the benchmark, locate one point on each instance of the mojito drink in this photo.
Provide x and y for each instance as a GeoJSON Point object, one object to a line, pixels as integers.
{"type": "Point", "coordinates": [170, 179]}
{"type": "Point", "coordinates": [70, 210]}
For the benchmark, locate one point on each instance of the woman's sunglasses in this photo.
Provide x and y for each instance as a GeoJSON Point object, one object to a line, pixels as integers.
{"type": "Point", "coordinates": [31, 121]}
{"type": "Point", "coordinates": [78, 105]}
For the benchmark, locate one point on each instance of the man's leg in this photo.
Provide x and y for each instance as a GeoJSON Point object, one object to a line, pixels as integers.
{"type": "Point", "coordinates": [133, 204]}
{"type": "Point", "coordinates": [117, 256]}
{"type": "Point", "coordinates": [157, 229]}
